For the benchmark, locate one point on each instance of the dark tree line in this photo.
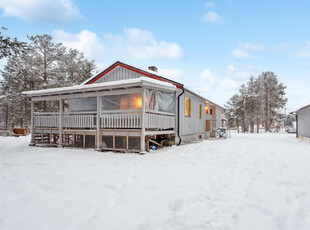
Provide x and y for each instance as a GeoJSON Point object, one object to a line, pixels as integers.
{"type": "Point", "coordinates": [258, 103]}
{"type": "Point", "coordinates": [38, 64]}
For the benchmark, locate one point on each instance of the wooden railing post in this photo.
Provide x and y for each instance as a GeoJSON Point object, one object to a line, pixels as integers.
{"type": "Point", "coordinates": [142, 140]}
{"type": "Point", "coordinates": [32, 125]}
{"type": "Point", "coordinates": [98, 124]}
{"type": "Point", "coordinates": [60, 123]}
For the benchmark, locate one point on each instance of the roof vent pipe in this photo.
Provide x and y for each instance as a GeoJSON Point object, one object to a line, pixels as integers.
{"type": "Point", "coordinates": [153, 68]}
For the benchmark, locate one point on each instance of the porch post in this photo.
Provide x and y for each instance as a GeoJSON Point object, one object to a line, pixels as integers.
{"type": "Point", "coordinates": [98, 147]}
{"type": "Point", "coordinates": [142, 140]}
{"type": "Point", "coordinates": [32, 124]}
{"type": "Point", "coordinates": [60, 123]}
{"type": "Point", "coordinates": [176, 138]}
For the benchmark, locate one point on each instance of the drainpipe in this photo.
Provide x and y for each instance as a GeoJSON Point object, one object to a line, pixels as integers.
{"type": "Point", "coordinates": [178, 131]}
{"type": "Point", "coordinates": [297, 125]}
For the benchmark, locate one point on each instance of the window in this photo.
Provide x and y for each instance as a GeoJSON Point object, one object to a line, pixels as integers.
{"type": "Point", "coordinates": [199, 110]}
{"type": "Point", "coordinates": [208, 125]}
{"type": "Point", "coordinates": [207, 109]}
{"type": "Point", "coordinates": [187, 107]}
{"type": "Point", "coordinates": [121, 102]}
{"type": "Point", "coordinates": [211, 111]}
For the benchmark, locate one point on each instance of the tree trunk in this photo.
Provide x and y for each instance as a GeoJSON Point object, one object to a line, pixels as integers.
{"type": "Point", "coordinates": [266, 125]}
{"type": "Point", "coordinates": [7, 117]}
{"type": "Point", "coordinates": [252, 126]}
{"type": "Point", "coordinates": [257, 127]}
{"type": "Point", "coordinates": [237, 126]}
{"type": "Point", "coordinates": [21, 118]}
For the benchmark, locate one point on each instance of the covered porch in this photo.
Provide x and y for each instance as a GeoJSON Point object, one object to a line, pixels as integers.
{"type": "Point", "coordinates": [118, 116]}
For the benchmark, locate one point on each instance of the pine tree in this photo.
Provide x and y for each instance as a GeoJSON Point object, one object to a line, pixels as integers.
{"type": "Point", "coordinates": [259, 101]}
{"type": "Point", "coordinates": [9, 46]}
{"type": "Point", "coordinates": [251, 103]}
{"type": "Point", "coordinates": [43, 65]}
{"type": "Point", "coordinates": [73, 68]}
{"type": "Point", "coordinates": [242, 108]}
{"type": "Point", "coordinates": [231, 111]}
{"type": "Point", "coordinates": [272, 95]}
{"type": "Point", "coordinates": [16, 78]}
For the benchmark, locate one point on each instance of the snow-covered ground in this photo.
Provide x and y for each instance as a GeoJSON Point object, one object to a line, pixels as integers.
{"type": "Point", "coordinates": [251, 181]}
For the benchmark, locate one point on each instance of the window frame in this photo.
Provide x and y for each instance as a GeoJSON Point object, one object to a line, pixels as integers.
{"type": "Point", "coordinates": [207, 109]}
{"type": "Point", "coordinates": [187, 111]}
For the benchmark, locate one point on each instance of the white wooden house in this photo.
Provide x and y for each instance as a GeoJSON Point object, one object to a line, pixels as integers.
{"type": "Point", "coordinates": [122, 109]}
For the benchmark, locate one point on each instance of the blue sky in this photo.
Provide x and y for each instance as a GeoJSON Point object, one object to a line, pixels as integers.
{"type": "Point", "coordinates": [210, 46]}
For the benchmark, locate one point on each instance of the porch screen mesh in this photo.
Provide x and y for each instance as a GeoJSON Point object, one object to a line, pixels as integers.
{"type": "Point", "coordinates": [82, 104]}
{"type": "Point", "coordinates": [160, 100]}
{"type": "Point", "coordinates": [121, 102]}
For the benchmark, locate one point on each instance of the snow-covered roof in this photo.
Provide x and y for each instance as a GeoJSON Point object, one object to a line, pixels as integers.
{"type": "Point", "coordinates": [98, 86]}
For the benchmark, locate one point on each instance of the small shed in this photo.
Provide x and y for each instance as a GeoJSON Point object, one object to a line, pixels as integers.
{"type": "Point", "coordinates": [303, 122]}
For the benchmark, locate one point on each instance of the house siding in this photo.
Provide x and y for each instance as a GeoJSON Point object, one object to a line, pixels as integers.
{"type": "Point", "coordinates": [118, 74]}
{"type": "Point", "coordinates": [191, 124]}
{"type": "Point", "coordinates": [304, 122]}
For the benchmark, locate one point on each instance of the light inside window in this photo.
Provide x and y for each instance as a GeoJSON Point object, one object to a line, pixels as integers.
{"type": "Point", "coordinates": [187, 106]}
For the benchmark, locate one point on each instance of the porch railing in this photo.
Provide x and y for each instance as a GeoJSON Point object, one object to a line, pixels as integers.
{"type": "Point", "coordinates": [159, 121]}
{"type": "Point", "coordinates": [51, 120]}
{"type": "Point", "coordinates": [120, 120]}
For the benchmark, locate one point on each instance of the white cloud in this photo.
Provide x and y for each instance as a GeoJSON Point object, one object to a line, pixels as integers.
{"type": "Point", "coordinates": [133, 43]}
{"type": "Point", "coordinates": [49, 11]}
{"type": "Point", "coordinates": [141, 44]}
{"type": "Point", "coordinates": [170, 73]}
{"type": "Point", "coordinates": [216, 84]}
{"type": "Point", "coordinates": [231, 68]}
{"type": "Point", "coordinates": [241, 54]}
{"type": "Point", "coordinates": [86, 41]}
{"type": "Point", "coordinates": [210, 4]}
{"type": "Point", "coordinates": [245, 50]}
{"type": "Point", "coordinates": [206, 74]}
{"type": "Point", "coordinates": [304, 52]}
{"type": "Point", "coordinates": [208, 81]}
{"type": "Point", "coordinates": [212, 17]}
{"type": "Point", "coordinates": [243, 73]}
{"type": "Point", "coordinates": [251, 46]}
{"type": "Point", "coordinates": [228, 84]}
